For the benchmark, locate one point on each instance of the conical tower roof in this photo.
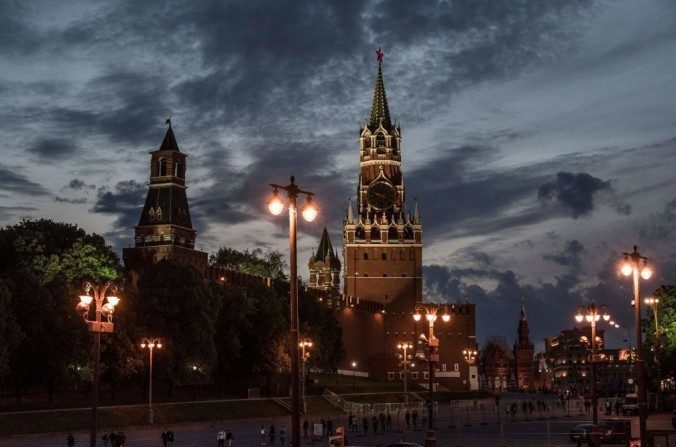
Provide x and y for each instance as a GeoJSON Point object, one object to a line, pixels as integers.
{"type": "Point", "coordinates": [325, 250]}
{"type": "Point", "coordinates": [169, 143]}
{"type": "Point", "coordinates": [379, 109]}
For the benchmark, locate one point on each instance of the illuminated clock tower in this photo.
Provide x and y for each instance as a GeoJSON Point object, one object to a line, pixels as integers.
{"type": "Point", "coordinates": [382, 243]}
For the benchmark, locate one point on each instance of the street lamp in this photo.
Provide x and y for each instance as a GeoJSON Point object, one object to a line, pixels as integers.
{"type": "Point", "coordinates": [309, 212]}
{"type": "Point", "coordinates": [196, 371]}
{"type": "Point", "coordinates": [469, 355]}
{"type": "Point", "coordinates": [97, 326]}
{"type": "Point", "coordinates": [652, 303]}
{"type": "Point", "coordinates": [405, 360]}
{"type": "Point", "coordinates": [151, 344]}
{"type": "Point", "coordinates": [592, 314]}
{"type": "Point", "coordinates": [304, 344]}
{"type": "Point", "coordinates": [636, 265]}
{"type": "Point", "coordinates": [430, 311]}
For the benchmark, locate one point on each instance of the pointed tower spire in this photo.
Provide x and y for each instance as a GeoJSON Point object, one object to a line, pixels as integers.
{"type": "Point", "coordinates": [416, 213]}
{"type": "Point", "coordinates": [523, 308]}
{"type": "Point", "coordinates": [349, 211]}
{"type": "Point", "coordinates": [169, 142]}
{"type": "Point", "coordinates": [380, 112]}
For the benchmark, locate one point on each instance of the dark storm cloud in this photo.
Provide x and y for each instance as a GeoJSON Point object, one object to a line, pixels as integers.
{"type": "Point", "coordinates": [660, 226]}
{"type": "Point", "coordinates": [550, 306]}
{"type": "Point", "coordinates": [239, 195]}
{"type": "Point", "coordinates": [125, 201]}
{"type": "Point", "coordinates": [10, 212]}
{"type": "Point", "coordinates": [12, 182]}
{"type": "Point", "coordinates": [77, 184]}
{"type": "Point", "coordinates": [70, 199]}
{"type": "Point", "coordinates": [54, 149]}
{"type": "Point", "coordinates": [574, 192]}
{"type": "Point", "coordinates": [569, 256]}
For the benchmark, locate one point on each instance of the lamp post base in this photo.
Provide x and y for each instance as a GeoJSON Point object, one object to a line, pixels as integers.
{"type": "Point", "coordinates": [150, 415]}
{"type": "Point", "coordinates": [430, 440]}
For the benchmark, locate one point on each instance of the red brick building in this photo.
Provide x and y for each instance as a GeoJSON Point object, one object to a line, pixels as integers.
{"type": "Point", "coordinates": [523, 354]}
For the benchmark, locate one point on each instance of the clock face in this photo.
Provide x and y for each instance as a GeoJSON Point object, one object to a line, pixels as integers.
{"type": "Point", "coordinates": [381, 195]}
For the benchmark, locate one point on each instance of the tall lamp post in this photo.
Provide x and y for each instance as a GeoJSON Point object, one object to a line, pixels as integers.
{"type": "Point", "coordinates": [592, 314]}
{"type": "Point", "coordinates": [309, 212]}
{"type": "Point", "coordinates": [405, 361]}
{"type": "Point", "coordinates": [99, 294]}
{"type": "Point", "coordinates": [652, 303]}
{"type": "Point", "coordinates": [151, 344]}
{"type": "Point", "coordinates": [636, 265]}
{"type": "Point", "coordinates": [304, 344]}
{"type": "Point", "coordinates": [469, 355]}
{"type": "Point", "coordinates": [430, 311]}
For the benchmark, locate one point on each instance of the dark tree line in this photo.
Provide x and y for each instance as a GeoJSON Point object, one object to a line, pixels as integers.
{"type": "Point", "coordinates": [236, 338]}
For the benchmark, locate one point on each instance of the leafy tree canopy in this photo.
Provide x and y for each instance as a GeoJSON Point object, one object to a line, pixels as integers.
{"type": "Point", "coordinates": [666, 319]}
{"type": "Point", "coordinates": [254, 262]}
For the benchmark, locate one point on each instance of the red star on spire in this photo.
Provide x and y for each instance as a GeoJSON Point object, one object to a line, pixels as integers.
{"type": "Point", "coordinates": [379, 55]}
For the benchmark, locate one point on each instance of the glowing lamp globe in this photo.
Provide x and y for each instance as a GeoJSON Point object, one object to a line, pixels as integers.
{"type": "Point", "coordinates": [86, 299]}
{"type": "Point", "coordinates": [431, 318]}
{"type": "Point", "coordinates": [417, 317]}
{"type": "Point", "coordinates": [579, 318]}
{"type": "Point", "coordinates": [446, 318]}
{"type": "Point", "coordinates": [309, 210]}
{"type": "Point", "coordinates": [113, 300]}
{"type": "Point", "coordinates": [275, 203]}
{"type": "Point", "coordinates": [646, 272]}
{"type": "Point", "coordinates": [627, 269]}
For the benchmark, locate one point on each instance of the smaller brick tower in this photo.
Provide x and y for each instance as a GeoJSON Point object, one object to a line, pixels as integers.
{"type": "Point", "coordinates": [523, 353]}
{"type": "Point", "coordinates": [325, 267]}
{"type": "Point", "coordinates": [164, 229]}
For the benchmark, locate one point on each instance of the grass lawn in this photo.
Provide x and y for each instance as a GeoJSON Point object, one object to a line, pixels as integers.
{"type": "Point", "coordinates": [72, 420]}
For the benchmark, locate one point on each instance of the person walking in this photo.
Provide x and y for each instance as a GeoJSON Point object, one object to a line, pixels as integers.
{"type": "Point", "coordinates": [165, 437]}
{"type": "Point", "coordinates": [104, 438]}
{"type": "Point", "coordinates": [381, 420]}
{"type": "Point", "coordinates": [112, 438]}
{"type": "Point", "coordinates": [306, 425]}
{"type": "Point", "coordinates": [272, 434]}
{"type": "Point", "coordinates": [414, 416]}
{"type": "Point", "coordinates": [350, 419]}
{"type": "Point", "coordinates": [374, 422]}
{"type": "Point", "coordinates": [121, 439]}
{"type": "Point", "coordinates": [354, 424]}
{"type": "Point", "coordinates": [229, 438]}
{"type": "Point", "coordinates": [170, 438]}
{"type": "Point", "coordinates": [282, 435]}
{"type": "Point", "coordinates": [609, 408]}
{"type": "Point", "coordinates": [263, 434]}
{"type": "Point", "coordinates": [70, 440]}
{"type": "Point", "coordinates": [220, 437]}
{"type": "Point", "coordinates": [329, 427]}
{"type": "Point", "coordinates": [408, 419]}
{"type": "Point", "coordinates": [365, 423]}
{"type": "Point", "coordinates": [388, 420]}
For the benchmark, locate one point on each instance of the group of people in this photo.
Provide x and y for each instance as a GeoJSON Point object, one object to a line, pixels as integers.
{"type": "Point", "coordinates": [223, 437]}
{"type": "Point", "coordinates": [271, 434]}
{"type": "Point", "coordinates": [114, 439]}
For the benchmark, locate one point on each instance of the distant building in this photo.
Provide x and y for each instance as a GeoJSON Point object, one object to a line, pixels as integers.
{"type": "Point", "coordinates": [496, 364]}
{"type": "Point", "coordinates": [324, 266]}
{"type": "Point", "coordinates": [568, 356]}
{"type": "Point", "coordinates": [523, 354]}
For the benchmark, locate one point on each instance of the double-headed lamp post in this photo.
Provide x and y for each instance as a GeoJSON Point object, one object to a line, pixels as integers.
{"type": "Point", "coordinates": [151, 344]}
{"type": "Point", "coordinates": [97, 293]}
{"type": "Point", "coordinates": [431, 311]}
{"type": "Point", "coordinates": [636, 266]}
{"type": "Point", "coordinates": [305, 346]}
{"type": "Point", "coordinates": [469, 355]}
{"type": "Point", "coordinates": [309, 212]}
{"type": "Point", "coordinates": [652, 303]}
{"type": "Point", "coordinates": [593, 313]}
{"type": "Point", "coordinates": [405, 358]}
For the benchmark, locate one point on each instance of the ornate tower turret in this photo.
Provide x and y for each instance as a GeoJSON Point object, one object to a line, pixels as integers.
{"type": "Point", "coordinates": [325, 266]}
{"type": "Point", "coordinates": [523, 353]}
{"type": "Point", "coordinates": [165, 228]}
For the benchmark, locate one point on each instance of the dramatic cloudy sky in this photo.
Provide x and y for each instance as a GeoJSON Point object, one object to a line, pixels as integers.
{"type": "Point", "coordinates": [539, 136]}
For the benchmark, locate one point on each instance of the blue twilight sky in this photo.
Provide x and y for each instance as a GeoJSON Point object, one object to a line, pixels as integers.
{"type": "Point", "coordinates": [539, 136]}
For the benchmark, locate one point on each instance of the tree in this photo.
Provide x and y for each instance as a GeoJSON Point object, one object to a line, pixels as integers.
{"type": "Point", "coordinates": [665, 352]}
{"type": "Point", "coordinates": [43, 266]}
{"type": "Point", "coordinates": [10, 333]}
{"type": "Point", "coordinates": [255, 262]}
{"type": "Point", "coordinates": [175, 303]}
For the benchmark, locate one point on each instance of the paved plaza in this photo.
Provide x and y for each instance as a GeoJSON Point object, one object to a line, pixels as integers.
{"type": "Point", "coordinates": [451, 431]}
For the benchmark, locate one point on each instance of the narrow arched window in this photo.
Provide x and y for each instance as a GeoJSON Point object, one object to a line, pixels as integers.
{"type": "Point", "coordinates": [161, 167]}
{"type": "Point", "coordinates": [360, 233]}
{"type": "Point", "coordinates": [393, 234]}
{"type": "Point", "coordinates": [383, 256]}
{"type": "Point", "coordinates": [375, 233]}
{"type": "Point", "coordinates": [180, 170]}
{"type": "Point", "coordinates": [366, 256]}
{"type": "Point", "coordinates": [408, 233]}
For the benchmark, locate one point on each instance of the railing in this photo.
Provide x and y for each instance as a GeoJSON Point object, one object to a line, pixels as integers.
{"type": "Point", "coordinates": [359, 408]}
